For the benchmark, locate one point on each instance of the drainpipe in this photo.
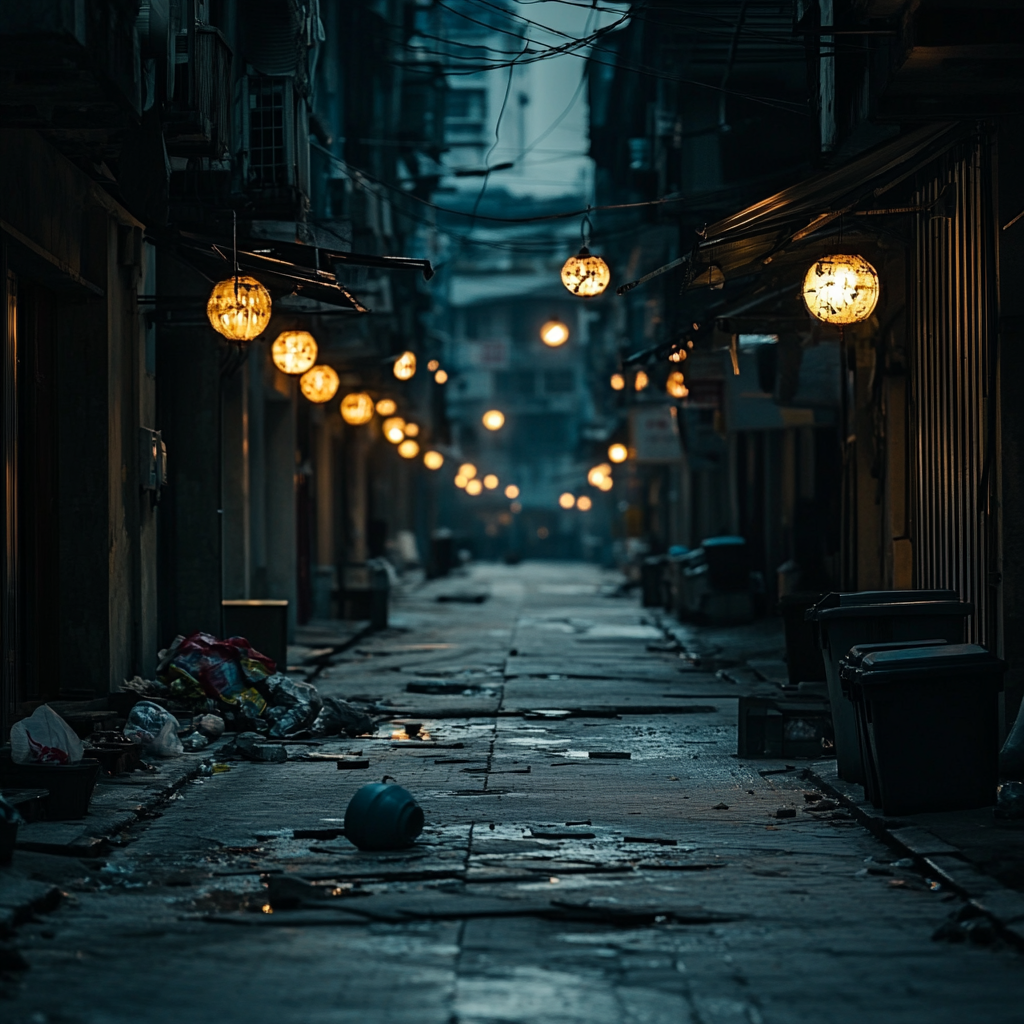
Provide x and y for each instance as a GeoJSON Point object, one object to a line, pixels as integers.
{"type": "Point", "coordinates": [827, 79]}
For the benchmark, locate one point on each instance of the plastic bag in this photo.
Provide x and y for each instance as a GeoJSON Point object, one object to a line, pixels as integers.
{"type": "Point", "coordinates": [45, 738]}
{"type": "Point", "coordinates": [229, 671]}
{"type": "Point", "coordinates": [294, 705]}
{"type": "Point", "coordinates": [211, 726]}
{"type": "Point", "coordinates": [339, 716]}
{"type": "Point", "coordinates": [155, 728]}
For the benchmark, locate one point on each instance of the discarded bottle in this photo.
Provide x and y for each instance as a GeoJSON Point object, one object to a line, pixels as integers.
{"type": "Point", "coordinates": [383, 817]}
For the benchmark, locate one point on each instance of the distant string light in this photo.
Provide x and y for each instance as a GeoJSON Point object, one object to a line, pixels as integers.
{"type": "Point", "coordinates": [433, 460]}
{"type": "Point", "coordinates": [404, 367]}
{"type": "Point", "coordinates": [617, 381]}
{"type": "Point", "coordinates": [441, 376]}
{"type": "Point", "coordinates": [387, 407]}
{"type": "Point", "coordinates": [641, 380]}
{"type": "Point", "coordinates": [511, 491]}
{"type": "Point", "coordinates": [567, 500]}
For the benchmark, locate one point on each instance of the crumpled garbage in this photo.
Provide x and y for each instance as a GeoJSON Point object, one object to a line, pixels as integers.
{"type": "Point", "coordinates": [211, 726]}
{"type": "Point", "coordinates": [294, 705]}
{"type": "Point", "coordinates": [251, 745]}
{"type": "Point", "coordinates": [145, 687]}
{"type": "Point", "coordinates": [337, 716]}
{"type": "Point", "coordinates": [228, 671]}
{"type": "Point", "coordinates": [1010, 800]}
{"type": "Point", "coordinates": [45, 738]}
{"type": "Point", "coordinates": [155, 728]}
{"type": "Point", "coordinates": [195, 741]}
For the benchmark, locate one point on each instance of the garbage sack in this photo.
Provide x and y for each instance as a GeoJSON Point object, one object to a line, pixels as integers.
{"type": "Point", "coordinates": [45, 738]}
{"type": "Point", "coordinates": [337, 716]}
{"type": "Point", "coordinates": [195, 741]}
{"type": "Point", "coordinates": [155, 728]}
{"type": "Point", "coordinates": [383, 817]}
{"type": "Point", "coordinates": [228, 671]}
{"type": "Point", "coordinates": [211, 726]}
{"type": "Point", "coordinates": [294, 705]}
{"type": "Point", "coordinates": [145, 687]}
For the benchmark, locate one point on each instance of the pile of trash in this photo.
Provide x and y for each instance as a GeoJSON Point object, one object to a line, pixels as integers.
{"type": "Point", "coordinates": [231, 686]}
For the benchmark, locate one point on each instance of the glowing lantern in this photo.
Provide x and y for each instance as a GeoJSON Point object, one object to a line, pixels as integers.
{"type": "Point", "coordinates": [675, 385]}
{"type": "Point", "coordinates": [598, 474]}
{"type": "Point", "coordinates": [474, 487]}
{"type": "Point", "coordinates": [567, 500]}
{"type": "Point", "coordinates": [357, 408]}
{"type": "Point", "coordinates": [433, 365]}
{"type": "Point", "coordinates": [554, 333]}
{"type": "Point", "coordinates": [618, 453]}
{"type": "Point", "coordinates": [468, 470]}
{"type": "Point", "coordinates": [320, 384]}
{"type": "Point", "coordinates": [405, 366]}
{"type": "Point", "coordinates": [441, 376]}
{"type": "Point", "coordinates": [461, 481]}
{"type": "Point", "coordinates": [412, 430]}
{"type": "Point", "coordinates": [841, 289]}
{"type": "Point", "coordinates": [239, 308]}
{"type": "Point", "coordinates": [433, 460]}
{"type": "Point", "coordinates": [678, 356]}
{"type": "Point", "coordinates": [387, 407]}
{"type": "Point", "coordinates": [490, 481]}
{"type": "Point", "coordinates": [493, 419]}
{"type": "Point", "coordinates": [294, 352]}
{"type": "Point", "coordinates": [618, 382]}
{"type": "Point", "coordinates": [585, 275]}
{"type": "Point", "coordinates": [394, 429]}
{"type": "Point", "coordinates": [606, 484]}
{"type": "Point", "coordinates": [511, 491]}
{"type": "Point", "coordinates": [408, 449]}
{"type": "Point", "coordinates": [583, 503]}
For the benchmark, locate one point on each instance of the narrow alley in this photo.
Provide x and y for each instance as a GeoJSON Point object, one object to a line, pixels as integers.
{"type": "Point", "coordinates": [594, 851]}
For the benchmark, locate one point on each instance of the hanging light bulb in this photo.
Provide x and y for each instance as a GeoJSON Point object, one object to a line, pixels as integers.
{"type": "Point", "coordinates": [433, 460]}
{"type": "Point", "coordinates": [641, 380]}
{"type": "Point", "coordinates": [387, 407]}
{"type": "Point", "coordinates": [676, 386]}
{"type": "Point", "coordinates": [511, 491]}
{"type": "Point", "coordinates": [618, 453]}
{"type": "Point", "coordinates": [567, 500]}
{"type": "Point", "coordinates": [433, 365]}
{"type": "Point", "coordinates": [474, 487]}
{"type": "Point", "coordinates": [554, 333]}
{"type": "Point", "coordinates": [583, 503]}
{"type": "Point", "coordinates": [294, 352]}
{"type": "Point", "coordinates": [586, 275]}
{"type": "Point", "coordinates": [320, 384]}
{"type": "Point", "coordinates": [841, 289]}
{"type": "Point", "coordinates": [412, 430]}
{"type": "Point", "coordinates": [468, 470]}
{"type": "Point", "coordinates": [598, 474]}
{"type": "Point", "coordinates": [493, 419]}
{"type": "Point", "coordinates": [617, 381]}
{"type": "Point", "coordinates": [460, 480]}
{"type": "Point", "coordinates": [490, 481]}
{"type": "Point", "coordinates": [606, 484]}
{"type": "Point", "coordinates": [394, 429]}
{"type": "Point", "coordinates": [441, 376]}
{"type": "Point", "coordinates": [408, 449]}
{"type": "Point", "coordinates": [239, 308]}
{"type": "Point", "coordinates": [357, 408]}
{"type": "Point", "coordinates": [404, 367]}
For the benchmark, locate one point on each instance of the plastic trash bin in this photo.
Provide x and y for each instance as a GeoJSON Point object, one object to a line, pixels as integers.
{"type": "Point", "coordinates": [651, 572]}
{"type": "Point", "coordinates": [877, 616]}
{"type": "Point", "coordinates": [932, 718]}
{"type": "Point", "coordinates": [804, 661]}
{"type": "Point", "coordinates": [849, 666]}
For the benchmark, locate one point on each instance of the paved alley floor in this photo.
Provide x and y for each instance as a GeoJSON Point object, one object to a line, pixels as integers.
{"type": "Point", "coordinates": [550, 886]}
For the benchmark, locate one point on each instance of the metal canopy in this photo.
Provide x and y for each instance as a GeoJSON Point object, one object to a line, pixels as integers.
{"type": "Point", "coordinates": [756, 235]}
{"type": "Point", "coordinates": [285, 268]}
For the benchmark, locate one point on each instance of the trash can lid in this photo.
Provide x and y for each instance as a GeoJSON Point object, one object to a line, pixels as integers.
{"type": "Point", "coordinates": [906, 664]}
{"type": "Point", "coordinates": [888, 603]}
{"type": "Point", "coordinates": [859, 652]}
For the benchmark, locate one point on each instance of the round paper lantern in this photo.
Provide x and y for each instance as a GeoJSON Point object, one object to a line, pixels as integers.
{"type": "Point", "coordinates": [239, 308]}
{"type": "Point", "coordinates": [618, 453]}
{"type": "Point", "coordinates": [474, 487]}
{"type": "Point", "coordinates": [394, 429]}
{"type": "Point", "coordinates": [841, 289]}
{"type": "Point", "coordinates": [493, 419]}
{"type": "Point", "coordinates": [584, 504]}
{"type": "Point", "coordinates": [585, 275]}
{"type": "Point", "coordinates": [511, 491]}
{"type": "Point", "coordinates": [357, 408]}
{"type": "Point", "coordinates": [617, 381]}
{"type": "Point", "coordinates": [490, 481]}
{"type": "Point", "coordinates": [676, 385]}
{"type": "Point", "coordinates": [294, 352]}
{"type": "Point", "coordinates": [409, 449]}
{"type": "Point", "coordinates": [554, 333]}
{"type": "Point", "coordinates": [567, 500]}
{"type": "Point", "coordinates": [641, 380]}
{"type": "Point", "coordinates": [387, 407]}
{"type": "Point", "coordinates": [320, 384]}
{"type": "Point", "coordinates": [433, 460]}
{"type": "Point", "coordinates": [405, 366]}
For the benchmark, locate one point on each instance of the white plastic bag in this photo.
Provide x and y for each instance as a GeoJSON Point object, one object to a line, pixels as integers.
{"type": "Point", "coordinates": [155, 728]}
{"type": "Point", "coordinates": [45, 738]}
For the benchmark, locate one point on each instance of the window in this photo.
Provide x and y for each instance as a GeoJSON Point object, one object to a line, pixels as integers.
{"type": "Point", "coordinates": [466, 105]}
{"type": "Point", "coordinates": [515, 384]}
{"type": "Point", "coordinates": [268, 152]}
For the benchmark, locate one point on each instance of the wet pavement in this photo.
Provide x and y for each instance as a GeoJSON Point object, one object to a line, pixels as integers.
{"type": "Point", "coordinates": [676, 884]}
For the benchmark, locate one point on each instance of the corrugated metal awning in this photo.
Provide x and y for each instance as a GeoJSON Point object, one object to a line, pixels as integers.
{"type": "Point", "coordinates": [754, 236]}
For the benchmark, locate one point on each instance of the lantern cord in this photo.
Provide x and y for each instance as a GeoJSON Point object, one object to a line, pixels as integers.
{"type": "Point", "coordinates": [234, 247]}
{"type": "Point", "coordinates": [586, 226]}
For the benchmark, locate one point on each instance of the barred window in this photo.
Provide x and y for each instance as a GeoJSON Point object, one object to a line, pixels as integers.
{"type": "Point", "coordinates": [268, 160]}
